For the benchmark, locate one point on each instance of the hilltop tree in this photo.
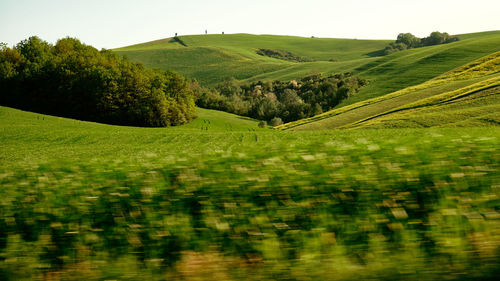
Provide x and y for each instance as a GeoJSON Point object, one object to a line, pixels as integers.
{"type": "Point", "coordinates": [408, 41]}
{"type": "Point", "coordinates": [436, 38]}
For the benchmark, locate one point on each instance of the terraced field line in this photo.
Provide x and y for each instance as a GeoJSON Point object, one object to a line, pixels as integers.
{"type": "Point", "coordinates": [434, 100]}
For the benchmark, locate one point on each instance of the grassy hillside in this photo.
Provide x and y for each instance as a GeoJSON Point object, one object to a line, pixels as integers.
{"type": "Point", "coordinates": [411, 67]}
{"type": "Point", "coordinates": [214, 58]}
{"type": "Point", "coordinates": [477, 107]}
{"type": "Point", "coordinates": [318, 49]}
{"type": "Point", "coordinates": [229, 201]}
{"type": "Point", "coordinates": [479, 74]}
{"type": "Point", "coordinates": [47, 137]}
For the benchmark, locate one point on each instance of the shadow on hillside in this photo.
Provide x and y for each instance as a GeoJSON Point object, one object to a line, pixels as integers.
{"type": "Point", "coordinates": [378, 53]}
{"type": "Point", "coordinates": [245, 118]}
{"type": "Point", "coordinates": [177, 40]}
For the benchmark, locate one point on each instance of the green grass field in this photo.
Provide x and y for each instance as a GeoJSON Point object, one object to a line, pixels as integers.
{"type": "Point", "coordinates": [406, 74]}
{"type": "Point", "coordinates": [231, 201]}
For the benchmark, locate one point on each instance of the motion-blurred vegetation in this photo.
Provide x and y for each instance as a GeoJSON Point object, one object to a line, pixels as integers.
{"type": "Point", "coordinates": [104, 202]}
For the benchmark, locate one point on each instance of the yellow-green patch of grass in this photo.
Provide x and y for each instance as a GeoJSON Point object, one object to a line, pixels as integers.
{"type": "Point", "coordinates": [480, 111]}
{"type": "Point", "coordinates": [434, 100]}
{"type": "Point", "coordinates": [486, 65]}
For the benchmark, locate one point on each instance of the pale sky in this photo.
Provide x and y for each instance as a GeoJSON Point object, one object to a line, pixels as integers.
{"type": "Point", "coordinates": [116, 23]}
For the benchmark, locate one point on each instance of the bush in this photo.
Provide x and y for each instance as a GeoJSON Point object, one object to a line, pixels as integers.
{"type": "Point", "coordinates": [395, 47]}
{"type": "Point", "coordinates": [409, 40]}
{"type": "Point", "coordinates": [276, 121]}
{"type": "Point", "coordinates": [436, 38]}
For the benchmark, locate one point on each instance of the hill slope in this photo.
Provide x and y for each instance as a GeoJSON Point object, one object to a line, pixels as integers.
{"type": "Point", "coordinates": [215, 58]}
{"type": "Point", "coordinates": [56, 137]}
{"type": "Point", "coordinates": [412, 67]}
{"type": "Point", "coordinates": [473, 77]}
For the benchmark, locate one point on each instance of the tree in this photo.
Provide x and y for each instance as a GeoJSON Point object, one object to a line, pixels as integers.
{"type": "Point", "coordinates": [317, 109]}
{"type": "Point", "coordinates": [435, 38]}
{"type": "Point", "coordinates": [407, 41]}
{"type": "Point", "coordinates": [289, 98]}
{"type": "Point", "coordinates": [75, 80]}
{"type": "Point", "coordinates": [288, 101]}
{"type": "Point", "coordinates": [227, 88]}
{"type": "Point", "coordinates": [10, 62]}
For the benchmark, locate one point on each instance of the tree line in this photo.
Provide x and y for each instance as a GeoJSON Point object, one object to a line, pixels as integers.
{"type": "Point", "coordinates": [71, 79]}
{"type": "Point", "coordinates": [410, 41]}
{"type": "Point", "coordinates": [277, 101]}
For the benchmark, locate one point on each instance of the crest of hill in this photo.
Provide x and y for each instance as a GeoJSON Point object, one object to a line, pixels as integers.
{"type": "Point", "coordinates": [212, 59]}
{"type": "Point", "coordinates": [320, 49]}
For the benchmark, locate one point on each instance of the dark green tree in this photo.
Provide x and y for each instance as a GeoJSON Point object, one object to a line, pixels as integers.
{"type": "Point", "coordinates": [75, 80]}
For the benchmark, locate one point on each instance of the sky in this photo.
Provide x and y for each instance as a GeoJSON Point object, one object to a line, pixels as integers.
{"type": "Point", "coordinates": [117, 23]}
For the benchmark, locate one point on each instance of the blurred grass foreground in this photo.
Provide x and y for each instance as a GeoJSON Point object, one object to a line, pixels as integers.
{"type": "Point", "coordinates": [364, 205]}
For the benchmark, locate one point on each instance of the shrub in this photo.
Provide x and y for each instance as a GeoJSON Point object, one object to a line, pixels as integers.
{"type": "Point", "coordinates": [276, 121]}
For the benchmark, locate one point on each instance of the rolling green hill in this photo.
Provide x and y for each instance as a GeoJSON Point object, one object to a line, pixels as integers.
{"type": "Point", "coordinates": [214, 58]}
{"type": "Point", "coordinates": [56, 136]}
{"type": "Point", "coordinates": [411, 67]}
{"type": "Point", "coordinates": [473, 77]}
